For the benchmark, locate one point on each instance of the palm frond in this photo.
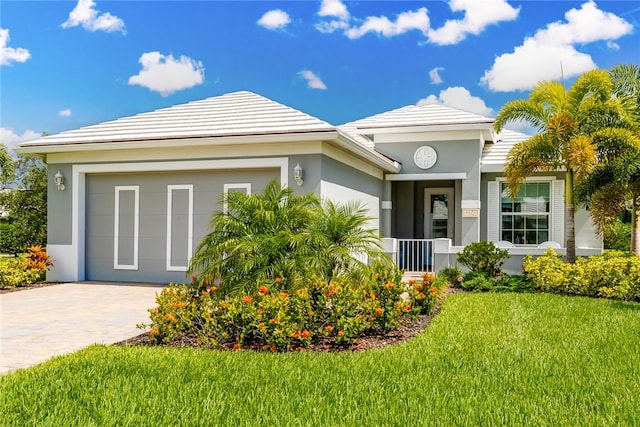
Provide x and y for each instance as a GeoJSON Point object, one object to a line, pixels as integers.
{"type": "Point", "coordinates": [551, 95]}
{"type": "Point", "coordinates": [580, 155]}
{"type": "Point", "coordinates": [532, 155]}
{"type": "Point", "coordinates": [521, 109]}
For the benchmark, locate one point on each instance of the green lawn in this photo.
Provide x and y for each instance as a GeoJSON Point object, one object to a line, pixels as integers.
{"type": "Point", "coordinates": [487, 359]}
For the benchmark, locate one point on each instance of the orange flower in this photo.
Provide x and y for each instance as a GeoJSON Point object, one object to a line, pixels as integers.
{"type": "Point", "coordinates": [193, 278]}
{"type": "Point", "coordinates": [273, 348]}
{"type": "Point", "coordinates": [283, 295]}
{"type": "Point", "coordinates": [407, 308]}
{"type": "Point", "coordinates": [236, 346]}
{"type": "Point", "coordinates": [378, 311]}
{"type": "Point", "coordinates": [389, 285]}
{"type": "Point", "coordinates": [340, 333]}
{"type": "Point", "coordinates": [296, 334]}
{"type": "Point", "coordinates": [154, 331]}
{"type": "Point", "coordinates": [223, 306]}
{"type": "Point", "coordinates": [261, 325]}
{"type": "Point", "coordinates": [246, 299]}
{"type": "Point", "coordinates": [412, 281]}
{"type": "Point", "coordinates": [263, 290]}
{"type": "Point", "coordinates": [434, 291]}
{"type": "Point", "coordinates": [205, 294]}
{"type": "Point", "coordinates": [421, 296]}
{"type": "Point", "coordinates": [311, 314]}
{"type": "Point", "coordinates": [329, 328]}
{"type": "Point", "coordinates": [170, 317]}
{"type": "Point", "coordinates": [278, 280]}
{"type": "Point", "coordinates": [306, 334]}
{"type": "Point", "coordinates": [378, 276]}
{"type": "Point", "coordinates": [213, 289]}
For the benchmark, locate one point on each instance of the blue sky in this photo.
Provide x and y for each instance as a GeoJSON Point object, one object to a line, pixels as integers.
{"type": "Point", "coordinates": [67, 64]}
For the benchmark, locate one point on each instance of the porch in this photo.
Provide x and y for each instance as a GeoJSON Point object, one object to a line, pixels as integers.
{"type": "Point", "coordinates": [418, 256]}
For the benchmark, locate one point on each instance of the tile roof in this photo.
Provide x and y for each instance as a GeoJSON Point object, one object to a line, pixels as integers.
{"type": "Point", "coordinates": [237, 113]}
{"type": "Point", "coordinates": [420, 115]}
{"type": "Point", "coordinates": [495, 155]}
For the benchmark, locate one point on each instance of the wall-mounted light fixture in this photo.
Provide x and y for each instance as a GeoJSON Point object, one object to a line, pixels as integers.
{"type": "Point", "coordinates": [59, 180]}
{"type": "Point", "coordinates": [297, 174]}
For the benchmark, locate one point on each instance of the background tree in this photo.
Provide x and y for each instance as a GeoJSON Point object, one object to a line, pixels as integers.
{"type": "Point", "coordinates": [6, 166]}
{"type": "Point", "coordinates": [26, 203]}
{"type": "Point", "coordinates": [565, 120]}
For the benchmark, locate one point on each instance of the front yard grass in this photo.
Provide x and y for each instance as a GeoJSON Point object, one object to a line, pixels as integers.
{"type": "Point", "coordinates": [486, 359]}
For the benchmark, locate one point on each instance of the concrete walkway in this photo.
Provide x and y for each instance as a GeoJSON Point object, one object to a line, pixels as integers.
{"type": "Point", "coordinates": [39, 323]}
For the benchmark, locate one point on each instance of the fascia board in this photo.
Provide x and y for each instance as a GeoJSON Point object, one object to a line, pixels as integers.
{"type": "Point", "coordinates": [168, 143]}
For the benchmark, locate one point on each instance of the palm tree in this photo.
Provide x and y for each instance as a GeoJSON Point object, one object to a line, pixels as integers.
{"type": "Point", "coordinates": [615, 182]}
{"type": "Point", "coordinates": [285, 236]}
{"type": "Point", "coordinates": [258, 237]}
{"type": "Point", "coordinates": [565, 121]}
{"type": "Point", "coordinates": [344, 243]}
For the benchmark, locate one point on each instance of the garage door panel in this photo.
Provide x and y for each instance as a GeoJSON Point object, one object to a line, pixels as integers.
{"type": "Point", "coordinates": [163, 238]}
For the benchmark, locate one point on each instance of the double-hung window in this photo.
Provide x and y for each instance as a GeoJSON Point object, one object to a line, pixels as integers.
{"type": "Point", "coordinates": [525, 219]}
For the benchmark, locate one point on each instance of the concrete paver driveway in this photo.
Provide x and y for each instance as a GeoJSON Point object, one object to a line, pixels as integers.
{"type": "Point", "coordinates": [36, 324]}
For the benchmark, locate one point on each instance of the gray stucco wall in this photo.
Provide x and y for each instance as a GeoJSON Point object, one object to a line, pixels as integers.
{"type": "Point", "coordinates": [59, 206]}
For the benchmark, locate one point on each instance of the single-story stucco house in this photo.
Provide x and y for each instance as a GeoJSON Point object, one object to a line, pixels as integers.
{"type": "Point", "coordinates": [130, 199]}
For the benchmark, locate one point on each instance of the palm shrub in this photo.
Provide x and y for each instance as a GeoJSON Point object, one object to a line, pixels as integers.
{"type": "Point", "coordinates": [281, 235]}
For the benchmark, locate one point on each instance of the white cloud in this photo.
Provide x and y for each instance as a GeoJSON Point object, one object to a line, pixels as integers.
{"type": "Point", "coordinates": [477, 16]}
{"type": "Point", "coordinates": [313, 81]}
{"type": "Point", "coordinates": [166, 75]}
{"type": "Point", "coordinates": [11, 140]}
{"type": "Point", "coordinates": [434, 75]}
{"type": "Point", "coordinates": [551, 52]}
{"type": "Point", "coordinates": [65, 113]}
{"type": "Point", "coordinates": [334, 8]}
{"type": "Point", "coordinates": [274, 20]}
{"type": "Point", "coordinates": [405, 22]}
{"type": "Point", "coordinates": [91, 19]}
{"type": "Point", "coordinates": [460, 98]}
{"type": "Point", "coordinates": [11, 54]}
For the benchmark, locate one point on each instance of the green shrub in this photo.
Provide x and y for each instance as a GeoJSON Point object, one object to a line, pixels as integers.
{"type": "Point", "coordinates": [612, 275]}
{"type": "Point", "coordinates": [479, 281]}
{"type": "Point", "coordinates": [269, 318]}
{"type": "Point", "coordinates": [14, 272]}
{"type": "Point", "coordinates": [453, 275]}
{"type": "Point", "coordinates": [484, 257]}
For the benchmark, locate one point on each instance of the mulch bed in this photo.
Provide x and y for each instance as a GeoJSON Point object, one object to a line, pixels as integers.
{"type": "Point", "coordinates": [27, 287]}
{"type": "Point", "coordinates": [405, 332]}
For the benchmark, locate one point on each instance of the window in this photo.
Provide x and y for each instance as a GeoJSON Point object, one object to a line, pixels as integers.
{"type": "Point", "coordinates": [525, 219]}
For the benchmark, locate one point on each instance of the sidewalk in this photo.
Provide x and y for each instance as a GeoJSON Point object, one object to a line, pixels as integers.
{"type": "Point", "coordinates": [36, 324]}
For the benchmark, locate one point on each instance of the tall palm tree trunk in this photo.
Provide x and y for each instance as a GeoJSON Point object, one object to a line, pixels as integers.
{"type": "Point", "coordinates": [635, 226]}
{"type": "Point", "coordinates": [570, 218]}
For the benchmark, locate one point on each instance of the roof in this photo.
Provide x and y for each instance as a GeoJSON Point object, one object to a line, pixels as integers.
{"type": "Point", "coordinates": [419, 116]}
{"type": "Point", "coordinates": [237, 113]}
{"type": "Point", "coordinates": [494, 156]}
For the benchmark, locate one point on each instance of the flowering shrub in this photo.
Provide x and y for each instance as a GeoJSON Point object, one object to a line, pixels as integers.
{"type": "Point", "coordinates": [24, 269]}
{"type": "Point", "coordinates": [611, 275]}
{"type": "Point", "coordinates": [269, 318]}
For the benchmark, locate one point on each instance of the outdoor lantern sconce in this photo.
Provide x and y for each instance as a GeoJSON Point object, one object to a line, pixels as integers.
{"type": "Point", "coordinates": [59, 180]}
{"type": "Point", "coordinates": [297, 174]}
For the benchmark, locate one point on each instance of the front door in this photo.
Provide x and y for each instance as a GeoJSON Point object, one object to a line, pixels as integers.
{"type": "Point", "coordinates": [438, 213]}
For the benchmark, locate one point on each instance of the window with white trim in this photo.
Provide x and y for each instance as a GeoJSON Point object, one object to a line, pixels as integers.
{"type": "Point", "coordinates": [525, 219]}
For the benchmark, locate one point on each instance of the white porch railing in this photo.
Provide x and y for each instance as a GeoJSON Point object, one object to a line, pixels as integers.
{"type": "Point", "coordinates": [415, 255]}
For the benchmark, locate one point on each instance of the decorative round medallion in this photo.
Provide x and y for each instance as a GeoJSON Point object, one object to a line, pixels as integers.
{"type": "Point", "coordinates": [425, 157]}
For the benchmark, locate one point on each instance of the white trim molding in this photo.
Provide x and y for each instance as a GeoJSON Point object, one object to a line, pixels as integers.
{"type": "Point", "coordinates": [246, 186]}
{"type": "Point", "coordinates": [170, 189]}
{"type": "Point", "coordinates": [116, 227]}
{"type": "Point", "coordinates": [425, 176]}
